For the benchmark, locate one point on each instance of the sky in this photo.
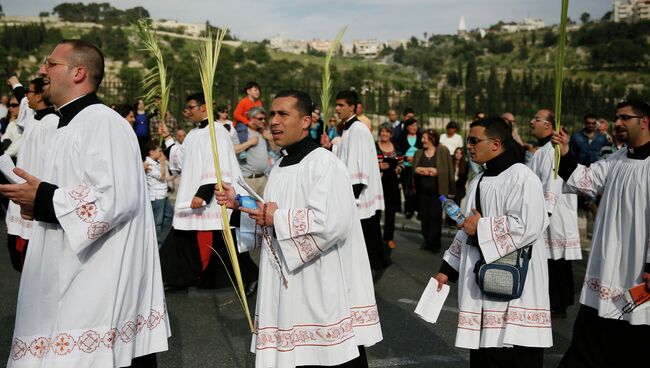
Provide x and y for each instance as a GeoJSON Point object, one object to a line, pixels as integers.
{"type": "Point", "coordinates": [255, 20]}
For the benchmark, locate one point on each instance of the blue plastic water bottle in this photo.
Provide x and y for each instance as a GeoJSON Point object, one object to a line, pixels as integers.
{"type": "Point", "coordinates": [452, 210]}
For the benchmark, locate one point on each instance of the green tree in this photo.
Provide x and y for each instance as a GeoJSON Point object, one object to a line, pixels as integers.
{"type": "Point", "coordinates": [584, 18]}
{"type": "Point", "coordinates": [549, 38]}
{"type": "Point", "coordinates": [472, 88]}
{"type": "Point", "coordinates": [493, 89]}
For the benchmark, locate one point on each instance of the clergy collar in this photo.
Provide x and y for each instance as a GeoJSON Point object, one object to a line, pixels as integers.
{"type": "Point", "coordinates": [71, 109]}
{"type": "Point", "coordinates": [543, 141]}
{"type": "Point", "coordinates": [349, 123]}
{"type": "Point", "coordinates": [639, 153]}
{"type": "Point", "coordinates": [203, 124]}
{"type": "Point", "coordinates": [499, 164]}
{"type": "Point", "coordinates": [40, 114]}
{"type": "Point", "coordinates": [294, 153]}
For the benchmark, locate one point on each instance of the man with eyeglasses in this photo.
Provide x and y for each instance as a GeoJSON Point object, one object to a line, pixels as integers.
{"type": "Point", "coordinates": [257, 158]}
{"type": "Point", "coordinates": [187, 254]}
{"type": "Point", "coordinates": [91, 292]}
{"type": "Point", "coordinates": [562, 236]}
{"type": "Point", "coordinates": [505, 212]}
{"type": "Point", "coordinates": [39, 122]}
{"type": "Point", "coordinates": [608, 326]}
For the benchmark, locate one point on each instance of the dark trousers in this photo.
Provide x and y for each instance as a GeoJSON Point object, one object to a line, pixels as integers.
{"type": "Point", "coordinates": [406, 177]}
{"type": "Point", "coordinates": [604, 342]}
{"type": "Point", "coordinates": [389, 223]}
{"type": "Point", "coordinates": [431, 220]}
{"type": "Point", "coordinates": [516, 356]}
{"type": "Point", "coordinates": [359, 362]}
{"type": "Point", "coordinates": [145, 361]}
{"type": "Point", "coordinates": [560, 284]}
{"type": "Point", "coordinates": [378, 253]}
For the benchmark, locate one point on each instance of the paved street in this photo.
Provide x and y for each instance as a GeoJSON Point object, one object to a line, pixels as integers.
{"type": "Point", "coordinates": [209, 329]}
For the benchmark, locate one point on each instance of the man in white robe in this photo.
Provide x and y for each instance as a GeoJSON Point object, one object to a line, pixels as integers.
{"type": "Point", "coordinates": [315, 302]}
{"type": "Point", "coordinates": [40, 123]}
{"type": "Point", "coordinates": [608, 330]}
{"type": "Point", "coordinates": [187, 256]}
{"type": "Point", "coordinates": [91, 293]}
{"type": "Point", "coordinates": [509, 216]}
{"type": "Point", "coordinates": [357, 151]}
{"type": "Point", "coordinates": [562, 236]}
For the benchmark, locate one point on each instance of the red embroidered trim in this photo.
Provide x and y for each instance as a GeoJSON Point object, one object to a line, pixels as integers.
{"type": "Point", "coordinates": [585, 183]}
{"type": "Point", "coordinates": [20, 221]}
{"type": "Point", "coordinates": [455, 248]}
{"type": "Point", "coordinates": [359, 176]}
{"type": "Point", "coordinates": [213, 175]}
{"type": "Point", "coordinates": [305, 243]}
{"type": "Point", "coordinates": [88, 342]}
{"type": "Point", "coordinates": [87, 211]}
{"type": "Point", "coordinates": [550, 198]}
{"type": "Point", "coordinates": [604, 292]}
{"type": "Point", "coordinates": [562, 243]}
{"type": "Point", "coordinates": [371, 202]}
{"type": "Point", "coordinates": [285, 340]}
{"type": "Point", "coordinates": [501, 235]}
{"type": "Point", "coordinates": [518, 316]}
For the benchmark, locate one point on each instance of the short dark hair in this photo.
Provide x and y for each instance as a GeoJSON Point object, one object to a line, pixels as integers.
{"type": "Point", "coordinates": [124, 110]}
{"type": "Point", "coordinates": [408, 110]}
{"type": "Point", "coordinates": [198, 97]}
{"type": "Point", "coordinates": [351, 98]}
{"type": "Point", "coordinates": [151, 145]}
{"type": "Point", "coordinates": [590, 115]}
{"type": "Point", "coordinates": [38, 84]}
{"type": "Point", "coordinates": [90, 56]}
{"type": "Point", "coordinates": [551, 117]}
{"type": "Point", "coordinates": [304, 104]}
{"type": "Point", "coordinates": [452, 125]}
{"type": "Point", "coordinates": [250, 85]}
{"type": "Point", "coordinates": [639, 107]}
{"type": "Point", "coordinates": [222, 109]}
{"type": "Point", "coordinates": [498, 128]}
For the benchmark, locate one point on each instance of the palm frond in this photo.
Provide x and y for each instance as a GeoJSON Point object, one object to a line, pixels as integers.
{"type": "Point", "coordinates": [326, 93]}
{"type": "Point", "coordinates": [208, 60]}
{"type": "Point", "coordinates": [559, 79]}
{"type": "Point", "coordinates": [156, 81]}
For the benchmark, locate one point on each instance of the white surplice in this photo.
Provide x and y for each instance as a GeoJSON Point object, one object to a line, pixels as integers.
{"type": "Point", "coordinates": [35, 135]}
{"type": "Point", "coordinates": [197, 169]}
{"type": "Point", "coordinates": [620, 245]}
{"type": "Point", "coordinates": [513, 217]}
{"type": "Point", "coordinates": [91, 292]}
{"type": "Point", "coordinates": [562, 236]}
{"type": "Point", "coordinates": [358, 153]}
{"type": "Point", "coordinates": [328, 307]}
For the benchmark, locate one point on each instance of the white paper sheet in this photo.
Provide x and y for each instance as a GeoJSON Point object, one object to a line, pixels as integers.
{"type": "Point", "coordinates": [7, 168]}
{"type": "Point", "coordinates": [431, 301]}
{"type": "Point", "coordinates": [242, 183]}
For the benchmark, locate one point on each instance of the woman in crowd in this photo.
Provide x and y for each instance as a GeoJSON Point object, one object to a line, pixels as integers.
{"type": "Point", "coordinates": [390, 166]}
{"type": "Point", "coordinates": [460, 174]}
{"type": "Point", "coordinates": [408, 143]}
{"type": "Point", "coordinates": [433, 172]}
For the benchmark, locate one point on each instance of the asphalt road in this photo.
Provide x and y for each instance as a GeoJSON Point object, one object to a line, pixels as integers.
{"type": "Point", "coordinates": [209, 328]}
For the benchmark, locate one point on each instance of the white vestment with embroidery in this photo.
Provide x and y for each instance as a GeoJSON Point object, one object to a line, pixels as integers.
{"type": "Point", "coordinates": [197, 169]}
{"type": "Point", "coordinates": [91, 292]}
{"type": "Point", "coordinates": [358, 152]}
{"type": "Point", "coordinates": [35, 135]}
{"type": "Point", "coordinates": [328, 307]}
{"type": "Point", "coordinates": [562, 236]}
{"type": "Point", "coordinates": [513, 217]}
{"type": "Point", "coordinates": [620, 245]}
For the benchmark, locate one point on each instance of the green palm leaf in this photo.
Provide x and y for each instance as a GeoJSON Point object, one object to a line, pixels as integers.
{"type": "Point", "coordinates": [326, 93]}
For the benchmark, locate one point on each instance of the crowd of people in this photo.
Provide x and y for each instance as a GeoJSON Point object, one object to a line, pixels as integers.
{"type": "Point", "coordinates": [117, 206]}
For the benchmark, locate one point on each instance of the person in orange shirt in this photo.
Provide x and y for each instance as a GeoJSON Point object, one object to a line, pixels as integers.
{"type": "Point", "coordinates": [252, 99]}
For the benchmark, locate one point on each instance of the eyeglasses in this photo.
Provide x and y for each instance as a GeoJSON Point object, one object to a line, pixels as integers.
{"type": "Point", "coordinates": [261, 119]}
{"type": "Point", "coordinates": [31, 91]}
{"type": "Point", "coordinates": [190, 107]}
{"type": "Point", "coordinates": [537, 118]}
{"type": "Point", "coordinates": [624, 117]}
{"type": "Point", "coordinates": [14, 105]}
{"type": "Point", "coordinates": [49, 64]}
{"type": "Point", "coordinates": [472, 141]}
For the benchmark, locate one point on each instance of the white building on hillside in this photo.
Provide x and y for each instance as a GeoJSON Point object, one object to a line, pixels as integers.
{"type": "Point", "coordinates": [631, 10]}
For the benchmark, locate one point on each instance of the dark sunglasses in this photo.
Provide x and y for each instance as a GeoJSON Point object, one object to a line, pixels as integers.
{"type": "Point", "coordinates": [474, 141]}
{"type": "Point", "coordinates": [14, 105]}
{"type": "Point", "coordinates": [624, 117]}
